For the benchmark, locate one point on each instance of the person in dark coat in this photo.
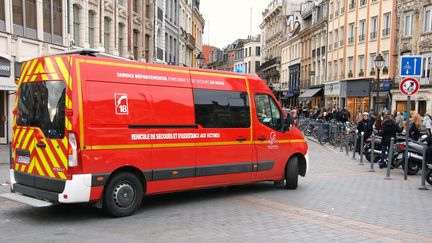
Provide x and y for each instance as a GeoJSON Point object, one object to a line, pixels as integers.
{"type": "Point", "coordinates": [363, 126]}
{"type": "Point", "coordinates": [389, 130]}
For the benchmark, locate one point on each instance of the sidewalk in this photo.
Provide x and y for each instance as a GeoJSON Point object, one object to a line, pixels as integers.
{"type": "Point", "coordinates": [4, 154]}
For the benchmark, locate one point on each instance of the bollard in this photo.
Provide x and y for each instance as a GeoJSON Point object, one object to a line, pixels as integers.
{"type": "Point", "coordinates": [361, 148]}
{"type": "Point", "coordinates": [346, 148]}
{"type": "Point", "coordinates": [355, 145]}
{"type": "Point", "coordinates": [389, 159]}
{"type": "Point", "coordinates": [423, 177]}
{"type": "Point", "coordinates": [341, 145]}
{"type": "Point", "coordinates": [372, 156]}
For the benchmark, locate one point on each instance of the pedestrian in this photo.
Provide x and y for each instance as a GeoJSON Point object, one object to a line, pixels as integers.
{"type": "Point", "coordinates": [414, 128]}
{"type": "Point", "coordinates": [427, 122]}
{"type": "Point", "coordinates": [389, 130]}
{"type": "Point", "coordinates": [364, 126]}
{"type": "Point", "coordinates": [399, 120]}
{"type": "Point", "coordinates": [378, 122]}
{"type": "Point", "coordinates": [358, 118]}
{"type": "Point", "coordinates": [294, 116]}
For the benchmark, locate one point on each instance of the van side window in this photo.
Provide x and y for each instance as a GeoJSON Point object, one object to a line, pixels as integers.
{"type": "Point", "coordinates": [221, 109]}
{"type": "Point", "coordinates": [267, 111]}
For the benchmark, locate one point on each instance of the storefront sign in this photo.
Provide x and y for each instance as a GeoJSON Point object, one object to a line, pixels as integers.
{"type": "Point", "coordinates": [332, 89]}
{"type": "Point", "coordinates": [5, 67]}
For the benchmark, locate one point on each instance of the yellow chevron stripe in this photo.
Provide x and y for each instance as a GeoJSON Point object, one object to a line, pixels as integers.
{"type": "Point", "coordinates": [17, 166]}
{"type": "Point", "coordinates": [33, 78]}
{"type": "Point", "coordinates": [38, 168]}
{"type": "Point", "coordinates": [44, 77]}
{"type": "Point", "coordinates": [49, 65]}
{"type": "Point", "coordinates": [65, 142]}
{"type": "Point", "coordinates": [15, 134]}
{"type": "Point", "coordinates": [23, 168]}
{"type": "Point", "coordinates": [54, 76]}
{"type": "Point", "coordinates": [68, 124]}
{"type": "Point", "coordinates": [29, 72]}
{"type": "Point", "coordinates": [33, 161]}
{"type": "Point", "coordinates": [64, 71]}
{"type": "Point", "coordinates": [45, 163]}
{"type": "Point", "coordinates": [19, 140]}
{"type": "Point", "coordinates": [68, 102]}
{"type": "Point", "coordinates": [27, 138]}
{"type": "Point", "coordinates": [39, 69]}
{"type": "Point", "coordinates": [60, 153]}
{"type": "Point", "coordinates": [23, 73]}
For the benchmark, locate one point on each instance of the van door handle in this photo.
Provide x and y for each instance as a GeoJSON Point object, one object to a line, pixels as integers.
{"type": "Point", "coordinates": [41, 145]}
{"type": "Point", "coordinates": [262, 138]}
{"type": "Point", "coordinates": [241, 139]}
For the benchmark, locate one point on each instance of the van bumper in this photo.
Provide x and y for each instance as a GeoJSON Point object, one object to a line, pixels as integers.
{"type": "Point", "coordinates": [76, 190]}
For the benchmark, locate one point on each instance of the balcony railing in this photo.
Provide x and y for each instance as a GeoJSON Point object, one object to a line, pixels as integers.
{"type": "Point", "coordinates": [318, 51]}
{"type": "Point", "coordinates": [363, 2]}
{"type": "Point", "coordinates": [159, 54]}
{"type": "Point", "coordinates": [351, 40]}
{"type": "Point", "coordinates": [341, 43]}
{"type": "Point", "coordinates": [335, 45]}
{"type": "Point", "coordinates": [362, 38]}
{"type": "Point", "coordinates": [352, 5]}
{"type": "Point", "coordinates": [313, 53]}
{"type": "Point", "coordinates": [323, 50]}
{"type": "Point", "coordinates": [386, 32]}
{"type": "Point", "coordinates": [342, 10]}
{"type": "Point", "coordinates": [336, 13]}
{"type": "Point", "coordinates": [373, 35]}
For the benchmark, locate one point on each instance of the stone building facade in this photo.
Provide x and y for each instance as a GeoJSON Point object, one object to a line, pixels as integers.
{"type": "Point", "coordinates": [414, 37]}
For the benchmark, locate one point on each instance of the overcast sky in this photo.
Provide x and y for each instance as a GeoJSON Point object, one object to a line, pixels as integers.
{"type": "Point", "coordinates": [228, 20]}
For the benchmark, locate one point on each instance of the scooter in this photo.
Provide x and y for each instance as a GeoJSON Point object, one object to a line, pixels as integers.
{"type": "Point", "coordinates": [415, 155]}
{"type": "Point", "coordinates": [377, 150]}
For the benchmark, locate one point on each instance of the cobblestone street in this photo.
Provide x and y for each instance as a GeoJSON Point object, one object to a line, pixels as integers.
{"type": "Point", "coordinates": [338, 201]}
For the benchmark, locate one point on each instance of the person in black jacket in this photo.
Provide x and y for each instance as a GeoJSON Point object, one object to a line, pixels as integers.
{"type": "Point", "coordinates": [364, 126]}
{"type": "Point", "coordinates": [389, 130]}
{"type": "Point", "coordinates": [414, 128]}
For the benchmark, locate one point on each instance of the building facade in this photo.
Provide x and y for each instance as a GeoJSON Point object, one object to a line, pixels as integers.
{"type": "Point", "coordinates": [414, 37]}
{"type": "Point", "coordinates": [252, 51]}
{"type": "Point", "coordinates": [186, 41]}
{"type": "Point", "coordinates": [198, 24]}
{"type": "Point", "coordinates": [363, 29]}
{"type": "Point", "coordinates": [121, 28]}
{"type": "Point", "coordinates": [28, 29]}
{"type": "Point", "coordinates": [272, 33]}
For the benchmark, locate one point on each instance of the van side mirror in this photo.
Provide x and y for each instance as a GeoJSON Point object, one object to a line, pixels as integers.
{"type": "Point", "coordinates": [287, 123]}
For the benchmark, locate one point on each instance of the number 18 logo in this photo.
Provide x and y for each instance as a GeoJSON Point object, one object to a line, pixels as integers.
{"type": "Point", "coordinates": [121, 104]}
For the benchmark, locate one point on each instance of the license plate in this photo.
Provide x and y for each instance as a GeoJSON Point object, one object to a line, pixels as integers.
{"type": "Point", "coordinates": [23, 159]}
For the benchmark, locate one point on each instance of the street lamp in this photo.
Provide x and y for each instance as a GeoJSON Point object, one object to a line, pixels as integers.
{"type": "Point", "coordinates": [379, 63]}
{"type": "Point", "coordinates": [200, 60]}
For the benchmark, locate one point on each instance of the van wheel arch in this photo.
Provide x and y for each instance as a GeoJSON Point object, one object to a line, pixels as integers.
{"type": "Point", "coordinates": [301, 163]}
{"type": "Point", "coordinates": [133, 170]}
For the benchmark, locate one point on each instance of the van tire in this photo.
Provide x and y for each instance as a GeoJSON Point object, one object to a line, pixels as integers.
{"type": "Point", "coordinates": [291, 173]}
{"type": "Point", "coordinates": [126, 204]}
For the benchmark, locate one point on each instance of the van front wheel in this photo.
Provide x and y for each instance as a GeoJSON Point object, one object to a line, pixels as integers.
{"type": "Point", "coordinates": [291, 173]}
{"type": "Point", "coordinates": [122, 195]}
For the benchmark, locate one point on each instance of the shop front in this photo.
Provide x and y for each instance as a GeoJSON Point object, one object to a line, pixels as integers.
{"type": "Point", "coordinates": [7, 96]}
{"type": "Point", "coordinates": [332, 95]}
{"type": "Point", "coordinates": [420, 102]}
{"type": "Point", "coordinates": [312, 97]}
{"type": "Point", "coordinates": [384, 101]}
{"type": "Point", "coordinates": [355, 96]}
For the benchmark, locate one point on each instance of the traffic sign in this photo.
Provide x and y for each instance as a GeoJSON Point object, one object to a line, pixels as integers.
{"type": "Point", "coordinates": [409, 86]}
{"type": "Point", "coordinates": [411, 66]}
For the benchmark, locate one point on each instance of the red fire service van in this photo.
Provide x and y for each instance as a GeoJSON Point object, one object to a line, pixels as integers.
{"type": "Point", "coordinates": [109, 131]}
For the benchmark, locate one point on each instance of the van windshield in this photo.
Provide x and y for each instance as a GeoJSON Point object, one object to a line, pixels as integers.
{"type": "Point", "coordinates": [42, 104]}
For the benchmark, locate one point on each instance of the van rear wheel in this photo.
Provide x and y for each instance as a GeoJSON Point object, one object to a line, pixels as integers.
{"type": "Point", "coordinates": [122, 195]}
{"type": "Point", "coordinates": [291, 173]}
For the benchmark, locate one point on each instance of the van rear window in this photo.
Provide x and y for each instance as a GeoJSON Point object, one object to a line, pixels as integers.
{"type": "Point", "coordinates": [221, 109]}
{"type": "Point", "coordinates": [42, 104]}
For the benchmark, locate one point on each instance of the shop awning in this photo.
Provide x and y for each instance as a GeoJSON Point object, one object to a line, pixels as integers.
{"type": "Point", "coordinates": [310, 93]}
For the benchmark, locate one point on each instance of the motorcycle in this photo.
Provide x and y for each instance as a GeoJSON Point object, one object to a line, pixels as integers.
{"type": "Point", "coordinates": [377, 151]}
{"type": "Point", "coordinates": [415, 155]}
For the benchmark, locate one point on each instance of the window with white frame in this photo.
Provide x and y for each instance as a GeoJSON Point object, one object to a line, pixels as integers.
{"type": "Point", "coordinates": [350, 67]}
{"type": "Point", "coordinates": [374, 28]}
{"type": "Point", "coordinates": [408, 23]}
{"type": "Point", "coordinates": [427, 19]}
{"type": "Point", "coordinates": [336, 33]}
{"type": "Point", "coordinates": [427, 63]}
{"type": "Point", "coordinates": [386, 56]}
{"type": "Point", "coordinates": [387, 24]}
{"type": "Point", "coordinates": [91, 28]}
{"type": "Point", "coordinates": [107, 35]}
{"type": "Point", "coordinates": [2, 15]}
{"type": "Point", "coordinates": [329, 68]}
{"type": "Point", "coordinates": [24, 18]}
{"type": "Point", "coordinates": [361, 60]}
{"type": "Point", "coordinates": [341, 63]}
{"type": "Point", "coordinates": [362, 29]}
{"type": "Point", "coordinates": [372, 62]}
{"type": "Point", "coordinates": [330, 40]}
{"type": "Point", "coordinates": [351, 33]}
{"type": "Point", "coordinates": [341, 32]}
{"type": "Point", "coordinates": [76, 25]}
{"type": "Point", "coordinates": [335, 65]}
